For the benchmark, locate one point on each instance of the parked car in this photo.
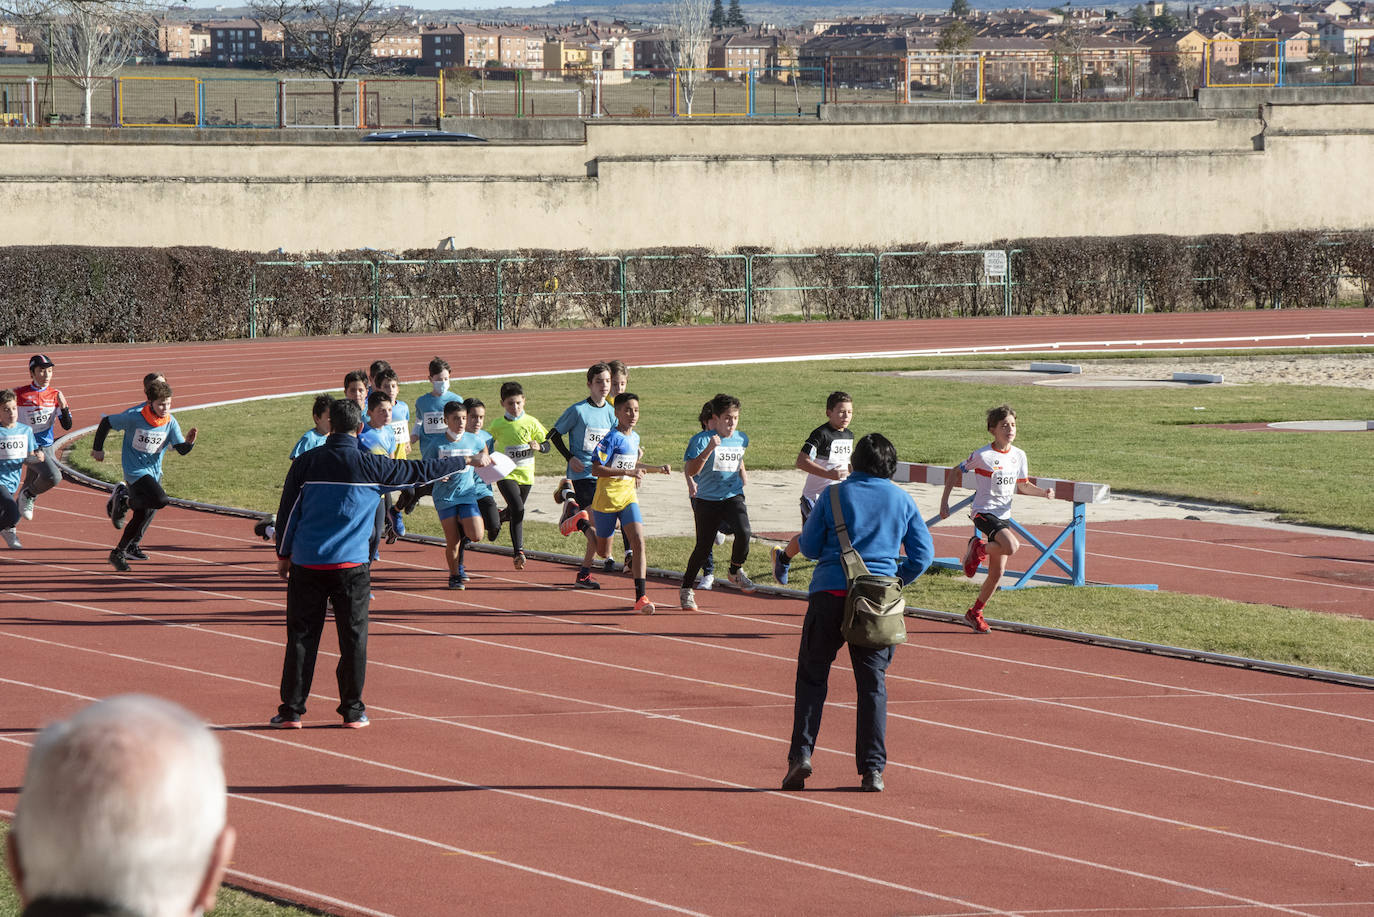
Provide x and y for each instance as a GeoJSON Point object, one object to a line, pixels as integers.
{"type": "Point", "coordinates": [424, 136]}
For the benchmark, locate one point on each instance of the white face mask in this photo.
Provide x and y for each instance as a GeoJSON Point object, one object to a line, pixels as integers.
{"type": "Point", "coordinates": [440, 386]}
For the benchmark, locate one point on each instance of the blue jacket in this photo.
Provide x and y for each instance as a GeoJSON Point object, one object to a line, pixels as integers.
{"type": "Point", "coordinates": [882, 519]}
{"type": "Point", "coordinates": [329, 500]}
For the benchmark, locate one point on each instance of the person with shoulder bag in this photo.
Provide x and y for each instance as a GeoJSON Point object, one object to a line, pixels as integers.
{"type": "Point", "coordinates": [881, 519]}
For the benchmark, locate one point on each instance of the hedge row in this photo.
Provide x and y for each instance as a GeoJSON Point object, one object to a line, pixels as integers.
{"type": "Point", "coordinates": [73, 294]}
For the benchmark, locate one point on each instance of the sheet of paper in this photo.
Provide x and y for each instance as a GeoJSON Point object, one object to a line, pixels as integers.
{"type": "Point", "coordinates": [500, 466]}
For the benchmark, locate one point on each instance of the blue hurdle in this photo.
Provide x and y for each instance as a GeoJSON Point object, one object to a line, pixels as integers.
{"type": "Point", "coordinates": [1079, 493]}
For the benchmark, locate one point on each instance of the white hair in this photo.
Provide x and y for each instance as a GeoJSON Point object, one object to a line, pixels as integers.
{"type": "Point", "coordinates": [123, 804]}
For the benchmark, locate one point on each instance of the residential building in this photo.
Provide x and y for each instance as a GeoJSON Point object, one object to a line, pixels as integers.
{"type": "Point", "coordinates": [233, 41]}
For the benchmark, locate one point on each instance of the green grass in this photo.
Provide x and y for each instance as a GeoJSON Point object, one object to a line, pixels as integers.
{"type": "Point", "coordinates": [231, 902]}
{"type": "Point", "coordinates": [1136, 440]}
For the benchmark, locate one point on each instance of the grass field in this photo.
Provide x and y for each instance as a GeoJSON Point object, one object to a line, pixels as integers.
{"type": "Point", "coordinates": [1142, 440]}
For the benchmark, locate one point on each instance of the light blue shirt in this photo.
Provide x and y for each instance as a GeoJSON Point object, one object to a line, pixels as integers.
{"type": "Point", "coordinates": [719, 478]}
{"type": "Point", "coordinates": [461, 487]}
{"type": "Point", "coordinates": [583, 426]}
{"type": "Point", "coordinates": [308, 441]}
{"type": "Point", "coordinates": [16, 444]}
{"type": "Point", "coordinates": [144, 444]}
{"type": "Point", "coordinates": [429, 421]}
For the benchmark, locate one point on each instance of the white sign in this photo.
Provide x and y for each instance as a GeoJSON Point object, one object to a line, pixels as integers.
{"type": "Point", "coordinates": [994, 264]}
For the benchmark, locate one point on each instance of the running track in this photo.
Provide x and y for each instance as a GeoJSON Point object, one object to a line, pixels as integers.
{"type": "Point", "coordinates": [537, 749]}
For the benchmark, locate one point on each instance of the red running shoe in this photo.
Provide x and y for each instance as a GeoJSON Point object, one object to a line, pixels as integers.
{"type": "Point", "coordinates": [571, 521]}
{"type": "Point", "coordinates": [975, 620]}
{"type": "Point", "coordinates": [974, 555]}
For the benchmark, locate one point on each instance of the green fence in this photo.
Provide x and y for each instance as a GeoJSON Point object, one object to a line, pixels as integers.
{"type": "Point", "coordinates": [478, 294]}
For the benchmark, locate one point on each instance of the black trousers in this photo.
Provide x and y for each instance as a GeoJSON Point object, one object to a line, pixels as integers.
{"type": "Point", "coordinates": [309, 593]}
{"type": "Point", "coordinates": [146, 497]}
{"type": "Point", "coordinates": [9, 510]}
{"type": "Point", "coordinates": [515, 495]}
{"type": "Point", "coordinates": [711, 516]}
{"type": "Point", "coordinates": [491, 516]}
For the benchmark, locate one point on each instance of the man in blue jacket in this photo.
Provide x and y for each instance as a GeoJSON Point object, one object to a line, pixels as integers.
{"type": "Point", "coordinates": [324, 530]}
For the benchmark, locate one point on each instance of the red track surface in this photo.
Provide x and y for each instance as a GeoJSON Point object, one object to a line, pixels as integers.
{"type": "Point", "coordinates": [538, 749]}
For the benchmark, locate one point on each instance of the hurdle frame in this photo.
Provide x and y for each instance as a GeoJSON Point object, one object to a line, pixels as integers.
{"type": "Point", "coordinates": [1079, 493]}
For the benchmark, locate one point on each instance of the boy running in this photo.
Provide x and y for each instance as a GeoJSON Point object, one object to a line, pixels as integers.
{"type": "Point", "coordinates": [585, 424]}
{"type": "Point", "coordinates": [430, 430]}
{"type": "Point", "coordinates": [18, 448]}
{"type": "Point", "coordinates": [486, 503]}
{"type": "Point", "coordinates": [715, 458]}
{"type": "Point", "coordinates": [379, 438]}
{"type": "Point", "coordinates": [825, 459]}
{"type": "Point", "coordinates": [39, 404]}
{"type": "Point", "coordinates": [1002, 471]}
{"type": "Point", "coordinates": [455, 497]}
{"type": "Point", "coordinates": [148, 433]}
{"type": "Point", "coordinates": [618, 472]}
{"type": "Point", "coordinates": [519, 435]}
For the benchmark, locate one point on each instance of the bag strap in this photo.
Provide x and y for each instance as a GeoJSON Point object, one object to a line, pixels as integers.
{"type": "Point", "coordinates": [853, 564]}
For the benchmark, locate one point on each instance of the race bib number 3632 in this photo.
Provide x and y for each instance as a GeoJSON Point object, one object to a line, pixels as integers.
{"type": "Point", "coordinates": [148, 441]}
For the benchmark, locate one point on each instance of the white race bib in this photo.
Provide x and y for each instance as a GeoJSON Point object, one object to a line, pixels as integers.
{"type": "Point", "coordinates": [728, 458]}
{"type": "Point", "coordinates": [624, 462]}
{"type": "Point", "coordinates": [38, 416]}
{"type": "Point", "coordinates": [840, 451]}
{"type": "Point", "coordinates": [434, 422]}
{"type": "Point", "coordinates": [13, 448]}
{"type": "Point", "coordinates": [401, 429]}
{"type": "Point", "coordinates": [522, 454]}
{"type": "Point", "coordinates": [148, 442]}
{"type": "Point", "coordinates": [593, 437]}
{"type": "Point", "coordinates": [1003, 482]}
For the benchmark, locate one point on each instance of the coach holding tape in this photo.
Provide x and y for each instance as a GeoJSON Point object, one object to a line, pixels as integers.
{"type": "Point", "coordinates": [324, 530]}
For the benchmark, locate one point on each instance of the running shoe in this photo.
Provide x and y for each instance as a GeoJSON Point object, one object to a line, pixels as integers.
{"type": "Point", "coordinates": [644, 606]}
{"type": "Point", "coordinates": [26, 504]}
{"type": "Point", "coordinates": [562, 491]}
{"type": "Point", "coordinates": [463, 573]}
{"type": "Point", "coordinates": [285, 721]}
{"type": "Point", "coordinates": [571, 520]}
{"type": "Point", "coordinates": [687, 601]}
{"type": "Point", "coordinates": [118, 504]}
{"type": "Point", "coordinates": [629, 556]}
{"type": "Point", "coordinates": [361, 722]}
{"type": "Point", "coordinates": [720, 537]}
{"type": "Point", "coordinates": [455, 581]}
{"type": "Point", "coordinates": [397, 522]}
{"type": "Point", "coordinates": [118, 562]}
{"type": "Point", "coordinates": [780, 564]}
{"type": "Point", "coordinates": [134, 552]}
{"type": "Point", "coordinates": [519, 560]}
{"type": "Point", "coordinates": [266, 527]}
{"type": "Point", "coordinates": [975, 620]}
{"type": "Point", "coordinates": [11, 537]}
{"type": "Point", "coordinates": [973, 555]}
{"type": "Point", "coordinates": [742, 582]}
{"type": "Point", "coordinates": [608, 566]}
{"type": "Point", "coordinates": [585, 581]}
{"type": "Point", "coordinates": [389, 532]}
{"type": "Point", "coordinates": [706, 582]}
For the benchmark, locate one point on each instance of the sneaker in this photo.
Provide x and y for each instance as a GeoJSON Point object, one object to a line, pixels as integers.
{"type": "Point", "coordinates": [362, 722]}
{"type": "Point", "coordinates": [687, 600]}
{"type": "Point", "coordinates": [397, 522]}
{"type": "Point", "coordinates": [563, 491]}
{"type": "Point", "coordinates": [266, 528]}
{"type": "Point", "coordinates": [706, 582]}
{"type": "Point", "coordinates": [463, 573]}
{"type": "Point", "coordinates": [455, 581]}
{"type": "Point", "coordinates": [118, 505]}
{"type": "Point", "coordinates": [26, 504]}
{"type": "Point", "coordinates": [742, 582]}
{"type": "Point", "coordinates": [389, 532]}
{"type": "Point", "coordinates": [975, 620]}
{"type": "Point", "coordinates": [973, 555]}
{"type": "Point", "coordinates": [118, 562]}
{"type": "Point", "coordinates": [585, 581]}
{"type": "Point", "coordinates": [11, 537]}
{"type": "Point", "coordinates": [780, 564]}
{"type": "Point", "coordinates": [285, 721]}
{"type": "Point", "coordinates": [134, 552]}
{"type": "Point", "coordinates": [629, 558]}
{"type": "Point", "coordinates": [720, 537]}
{"type": "Point", "coordinates": [608, 566]}
{"type": "Point", "coordinates": [519, 560]}
{"type": "Point", "coordinates": [572, 520]}
{"type": "Point", "coordinates": [644, 606]}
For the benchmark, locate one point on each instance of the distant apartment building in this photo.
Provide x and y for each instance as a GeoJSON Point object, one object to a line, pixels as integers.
{"type": "Point", "coordinates": [442, 47]}
{"type": "Point", "coordinates": [741, 54]}
{"type": "Point", "coordinates": [561, 54]}
{"type": "Point", "coordinates": [234, 41]}
{"type": "Point", "coordinates": [13, 43]}
{"type": "Point", "coordinates": [651, 51]}
{"type": "Point", "coordinates": [397, 46]}
{"type": "Point", "coordinates": [521, 49]}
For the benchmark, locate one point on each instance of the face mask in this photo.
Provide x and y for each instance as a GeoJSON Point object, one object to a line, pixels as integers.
{"type": "Point", "coordinates": [440, 387]}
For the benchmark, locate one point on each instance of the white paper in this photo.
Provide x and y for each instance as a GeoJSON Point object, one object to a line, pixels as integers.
{"type": "Point", "coordinates": [501, 465]}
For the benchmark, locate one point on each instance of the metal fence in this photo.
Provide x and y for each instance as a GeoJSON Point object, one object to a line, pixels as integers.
{"type": "Point", "coordinates": [407, 296]}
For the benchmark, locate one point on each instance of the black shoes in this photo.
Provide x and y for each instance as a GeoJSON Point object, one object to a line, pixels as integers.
{"type": "Point", "coordinates": [134, 552]}
{"type": "Point", "coordinates": [797, 772]}
{"type": "Point", "coordinates": [118, 561]}
{"type": "Point", "coordinates": [872, 782]}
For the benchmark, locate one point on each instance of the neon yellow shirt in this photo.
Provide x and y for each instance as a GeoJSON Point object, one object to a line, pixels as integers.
{"type": "Point", "coordinates": [513, 437]}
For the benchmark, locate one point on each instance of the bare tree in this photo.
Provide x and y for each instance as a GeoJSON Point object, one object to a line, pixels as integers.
{"type": "Point", "coordinates": [689, 43]}
{"type": "Point", "coordinates": [333, 37]}
{"type": "Point", "coordinates": [86, 40]}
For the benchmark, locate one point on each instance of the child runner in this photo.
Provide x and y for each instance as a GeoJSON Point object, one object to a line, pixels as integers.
{"type": "Point", "coordinates": [825, 459]}
{"type": "Point", "coordinates": [486, 503]}
{"type": "Point", "coordinates": [148, 433]}
{"type": "Point", "coordinates": [715, 457]}
{"type": "Point", "coordinates": [518, 435]}
{"type": "Point", "coordinates": [39, 404]}
{"type": "Point", "coordinates": [708, 567]}
{"type": "Point", "coordinates": [1002, 471]}
{"type": "Point", "coordinates": [620, 382]}
{"type": "Point", "coordinates": [379, 438]}
{"type": "Point", "coordinates": [618, 473]}
{"type": "Point", "coordinates": [455, 497]}
{"type": "Point", "coordinates": [584, 424]}
{"type": "Point", "coordinates": [356, 390]}
{"type": "Point", "coordinates": [265, 528]}
{"type": "Point", "coordinates": [18, 448]}
{"type": "Point", "coordinates": [430, 430]}
{"type": "Point", "coordinates": [390, 385]}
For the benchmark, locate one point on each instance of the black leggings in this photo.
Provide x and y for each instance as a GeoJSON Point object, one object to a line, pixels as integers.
{"type": "Point", "coordinates": [9, 510]}
{"type": "Point", "coordinates": [146, 497]}
{"type": "Point", "coordinates": [515, 494]}
{"type": "Point", "coordinates": [491, 516]}
{"type": "Point", "coordinates": [710, 515]}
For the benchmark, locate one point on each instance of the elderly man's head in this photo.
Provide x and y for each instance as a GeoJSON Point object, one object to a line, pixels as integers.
{"type": "Point", "coordinates": [123, 804]}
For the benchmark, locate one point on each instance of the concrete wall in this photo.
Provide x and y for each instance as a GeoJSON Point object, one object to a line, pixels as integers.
{"type": "Point", "coordinates": [781, 185]}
